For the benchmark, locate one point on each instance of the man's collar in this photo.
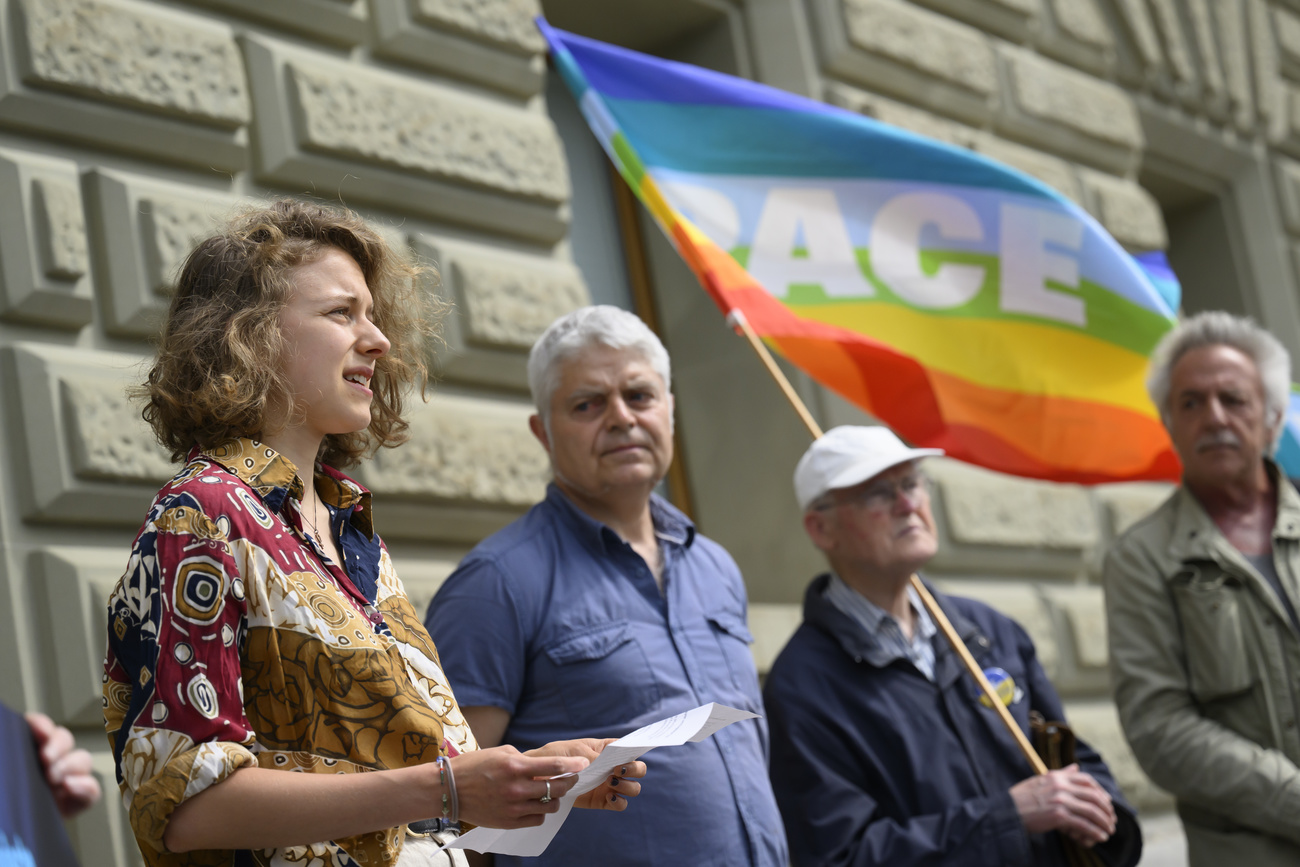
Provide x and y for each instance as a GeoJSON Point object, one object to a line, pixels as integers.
{"type": "Point", "coordinates": [1288, 505]}
{"type": "Point", "coordinates": [861, 645]}
{"type": "Point", "coordinates": [1195, 532]}
{"type": "Point", "coordinates": [669, 523]}
{"type": "Point", "coordinates": [274, 478]}
{"type": "Point", "coordinates": [868, 613]}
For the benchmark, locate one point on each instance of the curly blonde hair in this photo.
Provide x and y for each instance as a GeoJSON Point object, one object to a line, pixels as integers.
{"type": "Point", "coordinates": [217, 370]}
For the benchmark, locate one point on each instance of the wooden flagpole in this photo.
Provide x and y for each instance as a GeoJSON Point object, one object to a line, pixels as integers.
{"type": "Point", "coordinates": [736, 319]}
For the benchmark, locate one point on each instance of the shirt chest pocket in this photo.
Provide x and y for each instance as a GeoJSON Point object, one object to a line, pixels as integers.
{"type": "Point", "coordinates": [1212, 612]}
{"type": "Point", "coordinates": [603, 676]}
{"type": "Point", "coordinates": [733, 639]}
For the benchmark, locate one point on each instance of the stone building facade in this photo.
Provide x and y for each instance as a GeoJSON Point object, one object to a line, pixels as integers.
{"type": "Point", "coordinates": [128, 126]}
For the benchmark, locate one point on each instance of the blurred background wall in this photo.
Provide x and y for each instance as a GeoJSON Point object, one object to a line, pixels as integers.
{"type": "Point", "coordinates": [127, 127]}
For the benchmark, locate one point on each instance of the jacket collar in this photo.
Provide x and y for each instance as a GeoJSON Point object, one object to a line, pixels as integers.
{"type": "Point", "coordinates": [274, 478]}
{"type": "Point", "coordinates": [819, 612]}
{"type": "Point", "coordinates": [1195, 536]}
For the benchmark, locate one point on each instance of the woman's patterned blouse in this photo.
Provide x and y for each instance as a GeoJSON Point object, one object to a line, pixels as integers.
{"type": "Point", "coordinates": [234, 641]}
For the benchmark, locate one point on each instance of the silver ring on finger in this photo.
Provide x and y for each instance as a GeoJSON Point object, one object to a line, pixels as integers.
{"type": "Point", "coordinates": [546, 799]}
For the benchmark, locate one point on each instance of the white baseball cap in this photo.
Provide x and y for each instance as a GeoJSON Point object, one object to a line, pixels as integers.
{"type": "Point", "coordinates": [849, 455]}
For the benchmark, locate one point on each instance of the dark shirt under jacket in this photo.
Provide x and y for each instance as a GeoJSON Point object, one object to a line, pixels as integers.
{"type": "Point", "coordinates": [874, 764]}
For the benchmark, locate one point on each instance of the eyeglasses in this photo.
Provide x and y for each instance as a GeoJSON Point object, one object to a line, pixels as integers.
{"type": "Point", "coordinates": [881, 496]}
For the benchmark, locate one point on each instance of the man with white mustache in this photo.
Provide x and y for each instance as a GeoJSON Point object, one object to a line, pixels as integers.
{"type": "Point", "coordinates": [1201, 598]}
{"type": "Point", "coordinates": [602, 610]}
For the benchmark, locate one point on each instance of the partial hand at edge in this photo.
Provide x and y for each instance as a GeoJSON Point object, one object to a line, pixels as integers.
{"type": "Point", "coordinates": [67, 769]}
{"type": "Point", "coordinates": [614, 792]}
{"type": "Point", "coordinates": [1066, 800]}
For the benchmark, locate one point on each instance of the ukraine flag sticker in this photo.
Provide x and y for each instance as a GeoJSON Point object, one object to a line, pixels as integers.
{"type": "Point", "coordinates": [1003, 685]}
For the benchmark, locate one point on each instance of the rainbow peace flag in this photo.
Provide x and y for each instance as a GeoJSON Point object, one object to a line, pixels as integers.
{"type": "Point", "coordinates": [1288, 450]}
{"type": "Point", "coordinates": [966, 305]}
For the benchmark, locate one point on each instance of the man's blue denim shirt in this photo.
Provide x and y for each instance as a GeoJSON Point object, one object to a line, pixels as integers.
{"type": "Point", "coordinates": [558, 621]}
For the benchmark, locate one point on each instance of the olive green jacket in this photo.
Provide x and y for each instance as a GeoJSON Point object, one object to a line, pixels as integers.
{"type": "Point", "coordinates": [1206, 669]}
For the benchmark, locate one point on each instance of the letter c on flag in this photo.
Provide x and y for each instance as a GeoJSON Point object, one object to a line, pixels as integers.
{"type": "Point", "coordinates": [896, 249]}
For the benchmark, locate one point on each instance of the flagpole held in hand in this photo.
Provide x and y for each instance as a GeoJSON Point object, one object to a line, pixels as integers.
{"type": "Point", "coordinates": [736, 319]}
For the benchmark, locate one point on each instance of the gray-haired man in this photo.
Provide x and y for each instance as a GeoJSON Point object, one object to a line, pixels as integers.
{"type": "Point", "coordinates": [602, 610]}
{"type": "Point", "coordinates": [1201, 598]}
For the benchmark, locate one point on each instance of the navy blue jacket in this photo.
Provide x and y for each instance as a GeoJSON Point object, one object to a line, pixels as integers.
{"type": "Point", "coordinates": [874, 764]}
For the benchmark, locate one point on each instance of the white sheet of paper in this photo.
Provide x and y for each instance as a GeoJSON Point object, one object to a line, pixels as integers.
{"type": "Point", "coordinates": [693, 725]}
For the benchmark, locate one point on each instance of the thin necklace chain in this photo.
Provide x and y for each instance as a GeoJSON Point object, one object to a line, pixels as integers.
{"type": "Point", "coordinates": [312, 524]}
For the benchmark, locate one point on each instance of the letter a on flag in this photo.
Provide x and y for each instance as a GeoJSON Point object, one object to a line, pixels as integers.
{"type": "Point", "coordinates": [966, 305]}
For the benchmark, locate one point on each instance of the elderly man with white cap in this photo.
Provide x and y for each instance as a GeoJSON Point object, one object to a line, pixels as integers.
{"type": "Point", "coordinates": [882, 752]}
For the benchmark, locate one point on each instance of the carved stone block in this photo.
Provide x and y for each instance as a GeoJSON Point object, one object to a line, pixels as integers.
{"type": "Point", "coordinates": [1288, 188]}
{"type": "Point", "coordinates": [131, 76]}
{"type": "Point", "coordinates": [1178, 54]}
{"type": "Point", "coordinates": [470, 467]}
{"type": "Point", "coordinates": [1295, 258]}
{"type": "Point", "coordinates": [366, 116]}
{"type": "Point", "coordinates": [1069, 112]}
{"type": "Point", "coordinates": [509, 305]}
{"type": "Point", "coordinates": [1083, 21]}
{"type": "Point", "coordinates": [1137, 18]}
{"type": "Point", "coordinates": [508, 23]}
{"type": "Point", "coordinates": [1264, 60]}
{"type": "Point", "coordinates": [909, 52]}
{"type": "Point", "coordinates": [76, 584]}
{"type": "Point", "coordinates": [501, 303]}
{"type": "Point", "coordinates": [1020, 602]}
{"type": "Point", "coordinates": [84, 455]}
{"type": "Point", "coordinates": [1079, 36]}
{"type": "Point", "coordinates": [102, 834]}
{"type": "Point", "coordinates": [342, 22]}
{"type": "Point", "coordinates": [137, 54]}
{"type": "Point", "coordinates": [62, 227]}
{"type": "Point", "coordinates": [1053, 171]}
{"type": "Point", "coordinates": [385, 138]}
{"type": "Point", "coordinates": [1083, 610]}
{"type": "Point", "coordinates": [1287, 27]}
{"type": "Point", "coordinates": [106, 442]}
{"type": "Point", "coordinates": [1230, 26]}
{"type": "Point", "coordinates": [985, 508]}
{"type": "Point", "coordinates": [1098, 724]}
{"type": "Point", "coordinates": [142, 231]}
{"type": "Point", "coordinates": [421, 578]}
{"type": "Point", "coordinates": [1284, 122]}
{"type": "Point", "coordinates": [466, 450]}
{"type": "Point", "coordinates": [1013, 19]}
{"type": "Point", "coordinates": [492, 42]}
{"type": "Point", "coordinates": [1129, 503]}
{"type": "Point", "coordinates": [1214, 98]}
{"type": "Point", "coordinates": [931, 44]}
{"type": "Point", "coordinates": [44, 275]}
{"type": "Point", "coordinates": [772, 625]}
{"type": "Point", "coordinates": [1127, 211]}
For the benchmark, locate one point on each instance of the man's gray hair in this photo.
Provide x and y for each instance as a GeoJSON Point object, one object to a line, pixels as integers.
{"type": "Point", "coordinates": [1217, 328]}
{"type": "Point", "coordinates": [585, 327]}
